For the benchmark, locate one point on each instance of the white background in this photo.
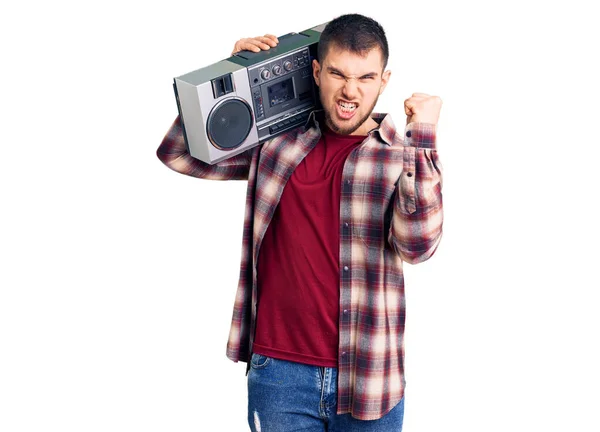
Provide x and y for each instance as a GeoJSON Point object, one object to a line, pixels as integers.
{"type": "Point", "coordinates": [118, 275]}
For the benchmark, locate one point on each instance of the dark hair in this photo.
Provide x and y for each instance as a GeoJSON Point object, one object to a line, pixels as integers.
{"type": "Point", "coordinates": [356, 33]}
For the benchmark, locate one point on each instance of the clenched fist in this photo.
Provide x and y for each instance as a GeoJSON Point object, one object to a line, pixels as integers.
{"type": "Point", "coordinates": [422, 108]}
{"type": "Point", "coordinates": [255, 44]}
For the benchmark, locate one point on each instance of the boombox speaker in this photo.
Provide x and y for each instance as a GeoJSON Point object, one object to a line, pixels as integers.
{"type": "Point", "coordinates": [240, 102]}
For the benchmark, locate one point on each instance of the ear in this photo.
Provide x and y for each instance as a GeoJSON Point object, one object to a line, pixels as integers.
{"type": "Point", "coordinates": [385, 78]}
{"type": "Point", "coordinates": [316, 70]}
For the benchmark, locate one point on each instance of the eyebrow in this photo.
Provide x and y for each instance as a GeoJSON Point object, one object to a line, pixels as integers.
{"type": "Point", "coordinates": [367, 75]}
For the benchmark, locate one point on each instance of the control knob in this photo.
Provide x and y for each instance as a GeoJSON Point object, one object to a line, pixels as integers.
{"type": "Point", "coordinates": [287, 65]}
{"type": "Point", "coordinates": [265, 74]}
{"type": "Point", "coordinates": [276, 69]}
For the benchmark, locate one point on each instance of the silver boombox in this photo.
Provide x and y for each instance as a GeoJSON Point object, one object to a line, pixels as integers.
{"type": "Point", "coordinates": [242, 101]}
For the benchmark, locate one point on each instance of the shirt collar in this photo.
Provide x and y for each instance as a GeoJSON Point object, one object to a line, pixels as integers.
{"type": "Point", "coordinates": [386, 130]}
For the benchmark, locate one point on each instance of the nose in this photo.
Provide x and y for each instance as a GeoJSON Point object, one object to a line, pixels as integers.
{"type": "Point", "coordinates": [350, 89]}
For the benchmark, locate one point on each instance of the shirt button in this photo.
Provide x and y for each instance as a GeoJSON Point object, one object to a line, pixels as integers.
{"type": "Point", "coordinates": [345, 311]}
{"type": "Point", "coordinates": [345, 268]}
{"type": "Point", "coordinates": [409, 174]}
{"type": "Point", "coordinates": [346, 224]}
{"type": "Point", "coordinates": [408, 134]}
{"type": "Point", "coordinates": [344, 353]}
{"type": "Point", "coordinates": [347, 181]}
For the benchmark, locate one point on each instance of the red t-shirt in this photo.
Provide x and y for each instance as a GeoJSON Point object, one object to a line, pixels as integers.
{"type": "Point", "coordinates": [298, 263]}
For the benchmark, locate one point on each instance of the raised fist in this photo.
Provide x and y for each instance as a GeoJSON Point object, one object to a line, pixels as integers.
{"type": "Point", "coordinates": [422, 108]}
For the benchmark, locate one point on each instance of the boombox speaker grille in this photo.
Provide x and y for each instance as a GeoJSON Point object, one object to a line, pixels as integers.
{"type": "Point", "coordinates": [229, 124]}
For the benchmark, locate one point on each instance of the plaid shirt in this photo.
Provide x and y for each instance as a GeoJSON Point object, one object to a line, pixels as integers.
{"type": "Point", "coordinates": [390, 212]}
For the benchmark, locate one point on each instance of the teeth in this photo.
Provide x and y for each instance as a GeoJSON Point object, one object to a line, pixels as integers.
{"type": "Point", "coordinates": [347, 106]}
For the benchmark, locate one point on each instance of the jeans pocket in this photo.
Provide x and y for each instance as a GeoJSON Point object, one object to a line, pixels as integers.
{"type": "Point", "coordinates": [259, 361]}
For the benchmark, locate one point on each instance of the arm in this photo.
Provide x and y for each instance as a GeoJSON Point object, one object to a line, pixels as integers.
{"type": "Point", "coordinates": [174, 154]}
{"type": "Point", "coordinates": [416, 226]}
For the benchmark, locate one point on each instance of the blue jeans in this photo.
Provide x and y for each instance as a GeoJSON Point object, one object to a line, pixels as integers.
{"type": "Point", "coordinates": [284, 396]}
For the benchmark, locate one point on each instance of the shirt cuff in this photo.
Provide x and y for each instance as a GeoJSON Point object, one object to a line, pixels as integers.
{"type": "Point", "coordinates": [420, 135]}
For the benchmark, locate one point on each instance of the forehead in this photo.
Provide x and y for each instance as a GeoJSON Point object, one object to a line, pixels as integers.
{"type": "Point", "coordinates": [353, 63]}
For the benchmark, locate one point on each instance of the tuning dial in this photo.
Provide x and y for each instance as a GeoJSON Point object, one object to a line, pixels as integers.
{"type": "Point", "coordinates": [276, 69]}
{"type": "Point", "coordinates": [287, 65]}
{"type": "Point", "coordinates": [265, 74]}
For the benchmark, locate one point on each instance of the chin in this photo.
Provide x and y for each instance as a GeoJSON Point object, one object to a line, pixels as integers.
{"type": "Point", "coordinates": [345, 127]}
{"type": "Point", "coordinates": [343, 130]}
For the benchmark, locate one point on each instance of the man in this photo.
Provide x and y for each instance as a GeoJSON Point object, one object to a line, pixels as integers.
{"type": "Point", "coordinates": [332, 210]}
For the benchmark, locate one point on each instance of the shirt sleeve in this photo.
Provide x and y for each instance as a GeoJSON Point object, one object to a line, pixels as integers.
{"type": "Point", "coordinates": [417, 216]}
{"type": "Point", "coordinates": [173, 153]}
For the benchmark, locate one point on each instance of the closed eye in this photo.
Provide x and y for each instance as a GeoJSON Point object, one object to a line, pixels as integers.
{"type": "Point", "coordinates": [367, 77]}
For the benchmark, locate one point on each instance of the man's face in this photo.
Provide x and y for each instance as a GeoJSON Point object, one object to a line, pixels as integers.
{"type": "Point", "coordinates": [349, 86]}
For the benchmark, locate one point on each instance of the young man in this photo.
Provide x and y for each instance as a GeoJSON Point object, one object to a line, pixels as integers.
{"type": "Point", "coordinates": [333, 209]}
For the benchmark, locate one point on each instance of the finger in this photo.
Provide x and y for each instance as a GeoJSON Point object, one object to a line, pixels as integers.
{"type": "Point", "coordinates": [270, 42]}
{"type": "Point", "coordinates": [409, 115]}
{"type": "Point", "coordinates": [247, 47]}
{"type": "Point", "coordinates": [249, 44]}
{"type": "Point", "coordinates": [420, 95]}
{"type": "Point", "coordinates": [253, 45]}
{"type": "Point", "coordinates": [415, 100]}
{"type": "Point", "coordinates": [272, 37]}
{"type": "Point", "coordinates": [258, 42]}
{"type": "Point", "coordinates": [242, 45]}
{"type": "Point", "coordinates": [408, 106]}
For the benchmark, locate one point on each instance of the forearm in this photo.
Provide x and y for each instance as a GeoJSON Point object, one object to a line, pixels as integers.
{"type": "Point", "coordinates": [173, 153]}
{"type": "Point", "coordinates": [416, 226]}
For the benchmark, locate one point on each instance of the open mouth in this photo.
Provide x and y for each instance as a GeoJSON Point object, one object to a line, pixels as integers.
{"type": "Point", "coordinates": [346, 109]}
